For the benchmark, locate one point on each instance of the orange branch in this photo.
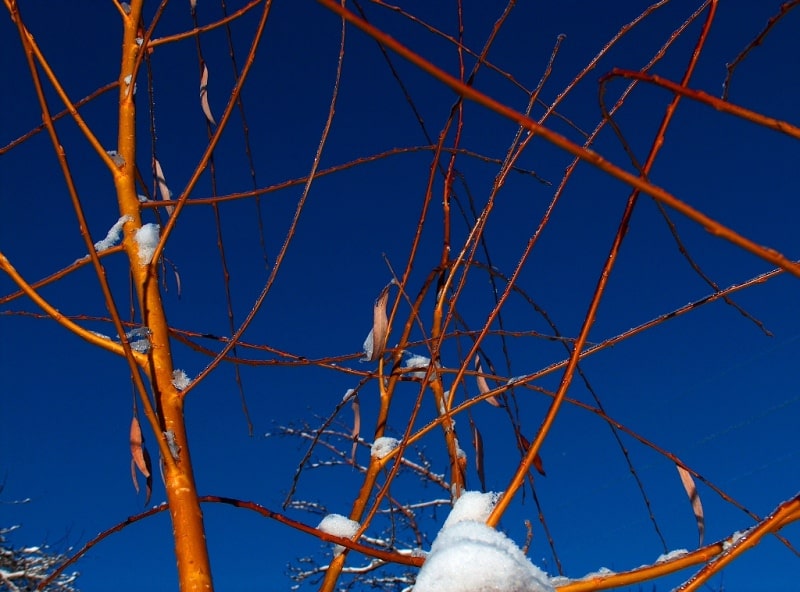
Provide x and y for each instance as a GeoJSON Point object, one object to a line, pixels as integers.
{"type": "Point", "coordinates": [560, 141]}
{"type": "Point", "coordinates": [710, 100]}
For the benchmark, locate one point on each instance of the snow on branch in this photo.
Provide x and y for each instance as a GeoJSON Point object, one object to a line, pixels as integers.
{"type": "Point", "coordinates": [146, 239]}
{"type": "Point", "coordinates": [340, 526]}
{"type": "Point", "coordinates": [469, 556]}
{"type": "Point", "coordinates": [113, 236]}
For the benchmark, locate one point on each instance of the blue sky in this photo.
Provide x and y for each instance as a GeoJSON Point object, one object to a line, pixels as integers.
{"type": "Point", "coordinates": [708, 386]}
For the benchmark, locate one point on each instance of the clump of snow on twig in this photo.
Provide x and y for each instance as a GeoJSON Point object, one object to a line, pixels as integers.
{"type": "Point", "coordinates": [472, 505]}
{"type": "Point", "coordinates": [147, 238]}
{"type": "Point", "coordinates": [671, 555]}
{"type": "Point", "coordinates": [340, 526]}
{"type": "Point", "coordinates": [417, 361]}
{"type": "Point", "coordinates": [563, 580]}
{"type": "Point", "coordinates": [139, 339]}
{"type": "Point", "coordinates": [733, 539]}
{"type": "Point", "coordinates": [118, 159]}
{"type": "Point", "coordinates": [383, 446]}
{"type": "Point", "coordinates": [469, 556]}
{"type": "Point", "coordinates": [180, 380]}
{"type": "Point", "coordinates": [113, 236]}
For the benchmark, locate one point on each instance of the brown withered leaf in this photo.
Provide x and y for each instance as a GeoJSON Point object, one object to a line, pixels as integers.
{"type": "Point", "coordinates": [537, 460]}
{"type": "Point", "coordinates": [148, 482]}
{"type": "Point", "coordinates": [137, 448]}
{"type": "Point", "coordinates": [694, 499]}
{"type": "Point", "coordinates": [376, 340]}
{"type": "Point", "coordinates": [204, 95]}
{"type": "Point", "coordinates": [140, 459]}
{"type": "Point", "coordinates": [477, 444]}
{"type": "Point", "coordinates": [537, 464]}
{"type": "Point", "coordinates": [483, 386]}
{"type": "Point", "coordinates": [356, 426]}
{"type": "Point", "coordinates": [133, 476]}
{"type": "Point", "coordinates": [163, 189]}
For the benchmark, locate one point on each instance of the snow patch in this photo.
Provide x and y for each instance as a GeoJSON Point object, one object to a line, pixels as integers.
{"type": "Point", "coordinates": [469, 556]}
{"type": "Point", "coordinates": [139, 339]}
{"type": "Point", "coordinates": [383, 446]}
{"type": "Point", "coordinates": [146, 238]}
{"type": "Point", "coordinates": [340, 526]}
{"type": "Point", "coordinates": [473, 557]}
{"type": "Point", "coordinates": [416, 361]}
{"type": "Point", "coordinates": [733, 539]}
{"type": "Point", "coordinates": [671, 555]}
{"type": "Point", "coordinates": [180, 380]}
{"type": "Point", "coordinates": [113, 236]}
{"type": "Point", "coordinates": [472, 505]}
{"type": "Point", "coordinates": [600, 573]}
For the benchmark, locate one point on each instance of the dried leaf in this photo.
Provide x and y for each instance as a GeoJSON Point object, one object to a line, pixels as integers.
{"type": "Point", "coordinates": [133, 476]}
{"type": "Point", "coordinates": [177, 279]}
{"type": "Point", "coordinates": [477, 444]}
{"type": "Point", "coordinates": [537, 460]}
{"type": "Point", "coordinates": [483, 386]}
{"type": "Point", "coordinates": [356, 426]}
{"type": "Point", "coordinates": [164, 262]}
{"type": "Point", "coordinates": [694, 498]}
{"type": "Point", "coordinates": [148, 487]}
{"type": "Point", "coordinates": [137, 448]}
{"type": "Point", "coordinates": [204, 95]}
{"type": "Point", "coordinates": [163, 190]}
{"type": "Point", "coordinates": [376, 340]}
{"type": "Point", "coordinates": [537, 464]}
{"type": "Point", "coordinates": [140, 459]}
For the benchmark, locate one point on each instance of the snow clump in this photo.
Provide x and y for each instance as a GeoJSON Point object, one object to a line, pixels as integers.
{"type": "Point", "coordinates": [340, 526]}
{"type": "Point", "coordinates": [416, 361]}
{"type": "Point", "coordinates": [469, 556]}
{"type": "Point", "coordinates": [383, 446]}
{"type": "Point", "coordinates": [180, 380]}
{"type": "Point", "coordinates": [147, 238]}
{"type": "Point", "coordinates": [113, 236]}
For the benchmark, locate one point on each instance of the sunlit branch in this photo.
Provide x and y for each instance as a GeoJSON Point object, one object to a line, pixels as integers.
{"type": "Point", "coordinates": [299, 181]}
{"type": "Point", "coordinates": [90, 336]}
{"type": "Point", "coordinates": [41, 127]}
{"type": "Point", "coordinates": [591, 157]}
{"type": "Point", "coordinates": [400, 558]}
{"type": "Point", "coordinates": [759, 39]}
{"type": "Point", "coordinates": [522, 380]}
{"type": "Point", "coordinates": [55, 277]}
{"type": "Point", "coordinates": [203, 162]}
{"type": "Point", "coordinates": [710, 100]}
{"type": "Point", "coordinates": [32, 46]}
{"type": "Point", "coordinates": [205, 28]}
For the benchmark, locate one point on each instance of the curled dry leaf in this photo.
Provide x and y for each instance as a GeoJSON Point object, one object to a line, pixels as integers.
{"type": "Point", "coordinates": [204, 95]}
{"type": "Point", "coordinates": [137, 441]}
{"type": "Point", "coordinates": [477, 444]}
{"type": "Point", "coordinates": [163, 189]}
{"type": "Point", "coordinates": [148, 482]}
{"type": "Point", "coordinates": [356, 426]}
{"type": "Point", "coordinates": [524, 444]}
{"type": "Point", "coordinates": [694, 498]}
{"type": "Point", "coordinates": [140, 459]}
{"type": "Point", "coordinates": [483, 386]}
{"type": "Point", "coordinates": [376, 340]}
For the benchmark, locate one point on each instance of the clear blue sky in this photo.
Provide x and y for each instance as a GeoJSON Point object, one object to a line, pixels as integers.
{"type": "Point", "coordinates": [708, 386]}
